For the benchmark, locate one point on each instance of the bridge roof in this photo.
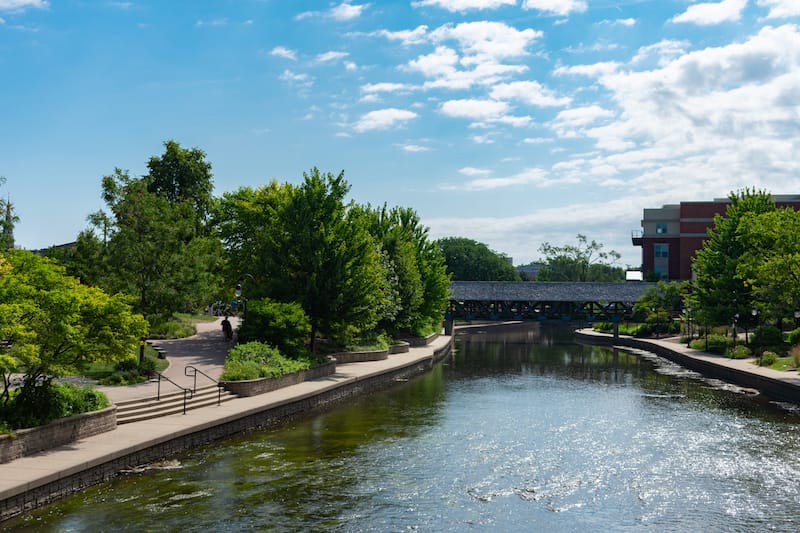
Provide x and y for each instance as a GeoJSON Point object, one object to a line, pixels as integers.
{"type": "Point", "coordinates": [547, 291]}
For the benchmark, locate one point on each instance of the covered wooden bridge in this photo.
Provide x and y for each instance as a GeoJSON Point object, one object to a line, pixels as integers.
{"type": "Point", "coordinates": [501, 300]}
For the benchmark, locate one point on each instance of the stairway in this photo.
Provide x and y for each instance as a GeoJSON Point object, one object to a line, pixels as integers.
{"type": "Point", "coordinates": [170, 404]}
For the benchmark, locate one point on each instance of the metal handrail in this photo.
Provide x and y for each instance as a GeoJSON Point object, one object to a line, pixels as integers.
{"type": "Point", "coordinates": [187, 393]}
{"type": "Point", "coordinates": [195, 370]}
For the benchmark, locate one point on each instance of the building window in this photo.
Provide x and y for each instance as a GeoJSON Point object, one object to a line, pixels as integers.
{"type": "Point", "coordinates": [661, 250]}
{"type": "Point", "coordinates": [661, 229]}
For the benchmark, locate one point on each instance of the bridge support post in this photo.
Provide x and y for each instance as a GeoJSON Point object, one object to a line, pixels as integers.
{"type": "Point", "coordinates": [449, 326]}
{"type": "Point", "coordinates": [616, 329]}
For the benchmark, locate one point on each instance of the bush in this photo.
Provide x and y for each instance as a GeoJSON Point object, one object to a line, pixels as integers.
{"type": "Point", "coordinates": [283, 325]}
{"type": "Point", "coordinates": [255, 360]}
{"type": "Point", "coordinates": [766, 336]}
{"type": "Point", "coordinates": [768, 358]}
{"type": "Point", "coordinates": [717, 344]}
{"type": "Point", "coordinates": [740, 352]}
{"type": "Point", "coordinates": [173, 328]}
{"type": "Point", "coordinates": [793, 337]}
{"type": "Point", "coordinates": [35, 404]}
{"type": "Point", "coordinates": [371, 341]}
{"type": "Point", "coordinates": [794, 353]}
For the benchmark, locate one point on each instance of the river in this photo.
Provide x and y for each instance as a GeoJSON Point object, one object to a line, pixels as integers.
{"type": "Point", "coordinates": [521, 429]}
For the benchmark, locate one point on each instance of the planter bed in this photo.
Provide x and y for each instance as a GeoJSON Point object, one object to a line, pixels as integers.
{"type": "Point", "coordinates": [254, 387]}
{"type": "Point", "coordinates": [56, 433]}
{"type": "Point", "coordinates": [400, 347]}
{"type": "Point", "coordinates": [360, 357]}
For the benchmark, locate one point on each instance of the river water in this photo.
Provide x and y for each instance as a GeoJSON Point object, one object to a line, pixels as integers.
{"type": "Point", "coordinates": [520, 430]}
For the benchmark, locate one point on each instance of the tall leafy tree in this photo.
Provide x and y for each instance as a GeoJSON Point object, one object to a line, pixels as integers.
{"type": "Point", "coordinates": [584, 261]}
{"type": "Point", "coordinates": [770, 262]}
{"type": "Point", "coordinates": [469, 260]}
{"type": "Point", "coordinates": [720, 290]}
{"type": "Point", "coordinates": [331, 264]}
{"type": "Point", "coordinates": [182, 174]}
{"type": "Point", "coordinates": [8, 220]}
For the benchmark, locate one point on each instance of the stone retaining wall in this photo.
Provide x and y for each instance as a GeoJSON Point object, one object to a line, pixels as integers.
{"type": "Point", "coordinates": [421, 341]}
{"type": "Point", "coordinates": [400, 347]}
{"type": "Point", "coordinates": [360, 357]}
{"type": "Point", "coordinates": [271, 416]}
{"type": "Point", "coordinates": [56, 433]}
{"type": "Point", "coordinates": [254, 387]}
{"type": "Point", "coordinates": [774, 388]}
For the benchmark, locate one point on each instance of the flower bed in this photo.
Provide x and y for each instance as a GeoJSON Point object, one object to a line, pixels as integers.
{"type": "Point", "coordinates": [56, 433]}
{"type": "Point", "coordinates": [254, 387]}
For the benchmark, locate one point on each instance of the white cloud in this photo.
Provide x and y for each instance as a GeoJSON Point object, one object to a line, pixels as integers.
{"type": "Point", "coordinates": [529, 92]}
{"type": "Point", "coordinates": [569, 122]}
{"type": "Point", "coordinates": [706, 14]}
{"type": "Point", "coordinates": [487, 39]}
{"type": "Point", "coordinates": [383, 119]}
{"type": "Point", "coordinates": [282, 51]}
{"type": "Point", "coordinates": [534, 176]}
{"type": "Point", "coordinates": [414, 148]}
{"type": "Point", "coordinates": [300, 80]}
{"type": "Point", "coordinates": [472, 171]}
{"type": "Point", "coordinates": [19, 5]}
{"type": "Point", "coordinates": [464, 5]}
{"type": "Point", "coordinates": [347, 11]}
{"type": "Point", "coordinates": [594, 70]}
{"type": "Point", "coordinates": [556, 7]}
{"type": "Point", "coordinates": [665, 51]}
{"type": "Point", "coordinates": [781, 8]}
{"type": "Point", "coordinates": [537, 140]}
{"type": "Point", "coordinates": [407, 37]}
{"type": "Point", "coordinates": [331, 56]}
{"type": "Point", "coordinates": [385, 87]}
{"type": "Point", "coordinates": [474, 109]}
{"type": "Point", "coordinates": [2, 21]}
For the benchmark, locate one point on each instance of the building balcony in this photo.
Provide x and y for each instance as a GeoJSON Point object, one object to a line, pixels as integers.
{"type": "Point", "coordinates": [636, 237]}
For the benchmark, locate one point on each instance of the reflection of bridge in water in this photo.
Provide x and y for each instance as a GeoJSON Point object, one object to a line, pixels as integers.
{"type": "Point", "coordinates": [530, 300]}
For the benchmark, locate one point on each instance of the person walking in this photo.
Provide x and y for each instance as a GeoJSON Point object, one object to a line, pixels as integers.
{"type": "Point", "coordinates": [227, 329]}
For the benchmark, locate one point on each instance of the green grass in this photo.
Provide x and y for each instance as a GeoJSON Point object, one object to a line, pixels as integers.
{"type": "Point", "coordinates": [101, 371]}
{"type": "Point", "coordinates": [199, 318]}
{"type": "Point", "coordinates": [783, 364]}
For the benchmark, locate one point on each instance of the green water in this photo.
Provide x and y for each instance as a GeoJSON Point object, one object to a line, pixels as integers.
{"type": "Point", "coordinates": [520, 430]}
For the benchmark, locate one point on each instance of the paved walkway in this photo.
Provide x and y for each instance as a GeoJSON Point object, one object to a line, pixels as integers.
{"type": "Point", "coordinates": [27, 473]}
{"type": "Point", "coordinates": [205, 350]}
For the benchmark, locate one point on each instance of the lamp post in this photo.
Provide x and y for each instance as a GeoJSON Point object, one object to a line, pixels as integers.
{"type": "Point", "coordinates": [754, 312]}
{"type": "Point", "coordinates": [735, 320]}
{"type": "Point", "coordinates": [655, 311]}
{"type": "Point", "coordinates": [797, 318]}
{"type": "Point", "coordinates": [238, 293]}
{"type": "Point", "coordinates": [688, 326]}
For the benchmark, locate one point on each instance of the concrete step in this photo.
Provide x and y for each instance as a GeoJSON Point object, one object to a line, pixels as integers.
{"type": "Point", "coordinates": [148, 408]}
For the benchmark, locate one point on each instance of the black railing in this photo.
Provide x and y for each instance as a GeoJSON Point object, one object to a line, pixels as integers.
{"type": "Point", "coordinates": [194, 373]}
{"type": "Point", "coordinates": [187, 393]}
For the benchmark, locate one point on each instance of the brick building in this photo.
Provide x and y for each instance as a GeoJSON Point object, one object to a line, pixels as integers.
{"type": "Point", "coordinates": [671, 234]}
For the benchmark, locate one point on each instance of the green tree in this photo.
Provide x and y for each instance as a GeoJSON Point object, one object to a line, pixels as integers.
{"type": "Point", "coordinates": [469, 260]}
{"type": "Point", "coordinates": [7, 221]}
{"type": "Point", "coordinates": [720, 292]}
{"type": "Point", "coordinates": [584, 261]}
{"type": "Point", "coordinates": [153, 251]}
{"type": "Point", "coordinates": [331, 264]}
{"type": "Point", "coordinates": [770, 263]}
{"type": "Point", "coordinates": [52, 325]}
{"type": "Point", "coordinates": [660, 303]}
{"type": "Point", "coordinates": [182, 174]}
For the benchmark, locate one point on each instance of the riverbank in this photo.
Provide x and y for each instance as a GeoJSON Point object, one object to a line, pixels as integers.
{"type": "Point", "coordinates": [777, 385]}
{"type": "Point", "coordinates": [39, 479]}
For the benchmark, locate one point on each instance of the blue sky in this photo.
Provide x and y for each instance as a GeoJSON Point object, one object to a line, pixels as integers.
{"type": "Point", "coordinates": [511, 122]}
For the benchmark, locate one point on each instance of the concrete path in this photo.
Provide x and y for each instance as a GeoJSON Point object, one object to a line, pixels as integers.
{"type": "Point", "coordinates": [206, 350]}
{"type": "Point", "coordinates": [27, 473]}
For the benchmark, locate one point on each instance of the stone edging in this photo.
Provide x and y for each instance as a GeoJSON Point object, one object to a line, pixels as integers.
{"type": "Point", "coordinates": [400, 347]}
{"type": "Point", "coordinates": [360, 357]}
{"type": "Point", "coordinates": [56, 433]}
{"type": "Point", "coordinates": [254, 387]}
{"type": "Point", "coordinates": [774, 388]}
{"type": "Point", "coordinates": [421, 341]}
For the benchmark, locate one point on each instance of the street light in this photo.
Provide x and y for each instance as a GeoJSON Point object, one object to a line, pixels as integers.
{"type": "Point", "coordinates": [238, 293]}
{"type": "Point", "coordinates": [688, 326]}
{"type": "Point", "coordinates": [797, 318]}
{"type": "Point", "coordinates": [735, 320]}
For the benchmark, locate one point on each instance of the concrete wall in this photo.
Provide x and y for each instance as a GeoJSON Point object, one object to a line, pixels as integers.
{"type": "Point", "coordinates": [56, 433]}
{"type": "Point", "coordinates": [773, 388]}
{"type": "Point", "coordinates": [254, 387]}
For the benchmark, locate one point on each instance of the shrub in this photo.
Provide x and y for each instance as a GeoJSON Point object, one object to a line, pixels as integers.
{"type": "Point", "coordinates": [147, 366]}
{"type": "Point", "coordinates": [794, 353]}
{"type": "Point", "coordinates": [793, 337]}
{"type": "Point", "coordinates": [740, 352]}
{"type": "Point", "coordinates": [35, 404]}
{"type": "Point", "coordinates": [255, 360]}
{"type": "Point", "coordinates": [766, 336]}
{"type": "Point", "coordinates": [717, 344]}
{"type": "Point", "coordinates": [174, 328]}
{"type": "Point", "coordinates": [768, 358]}
{"type": "Point", "coordinates": [371, 341]}
{"type": "Point", "coordinates": [283, 325]}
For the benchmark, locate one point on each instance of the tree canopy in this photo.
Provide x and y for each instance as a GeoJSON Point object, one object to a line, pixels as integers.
{"type": "Point", "coordinates": [51, 324]}
{"type": "Point", "coordinates": [469, 260]}
{"type": "Point", "coordinates": [584, 261]}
